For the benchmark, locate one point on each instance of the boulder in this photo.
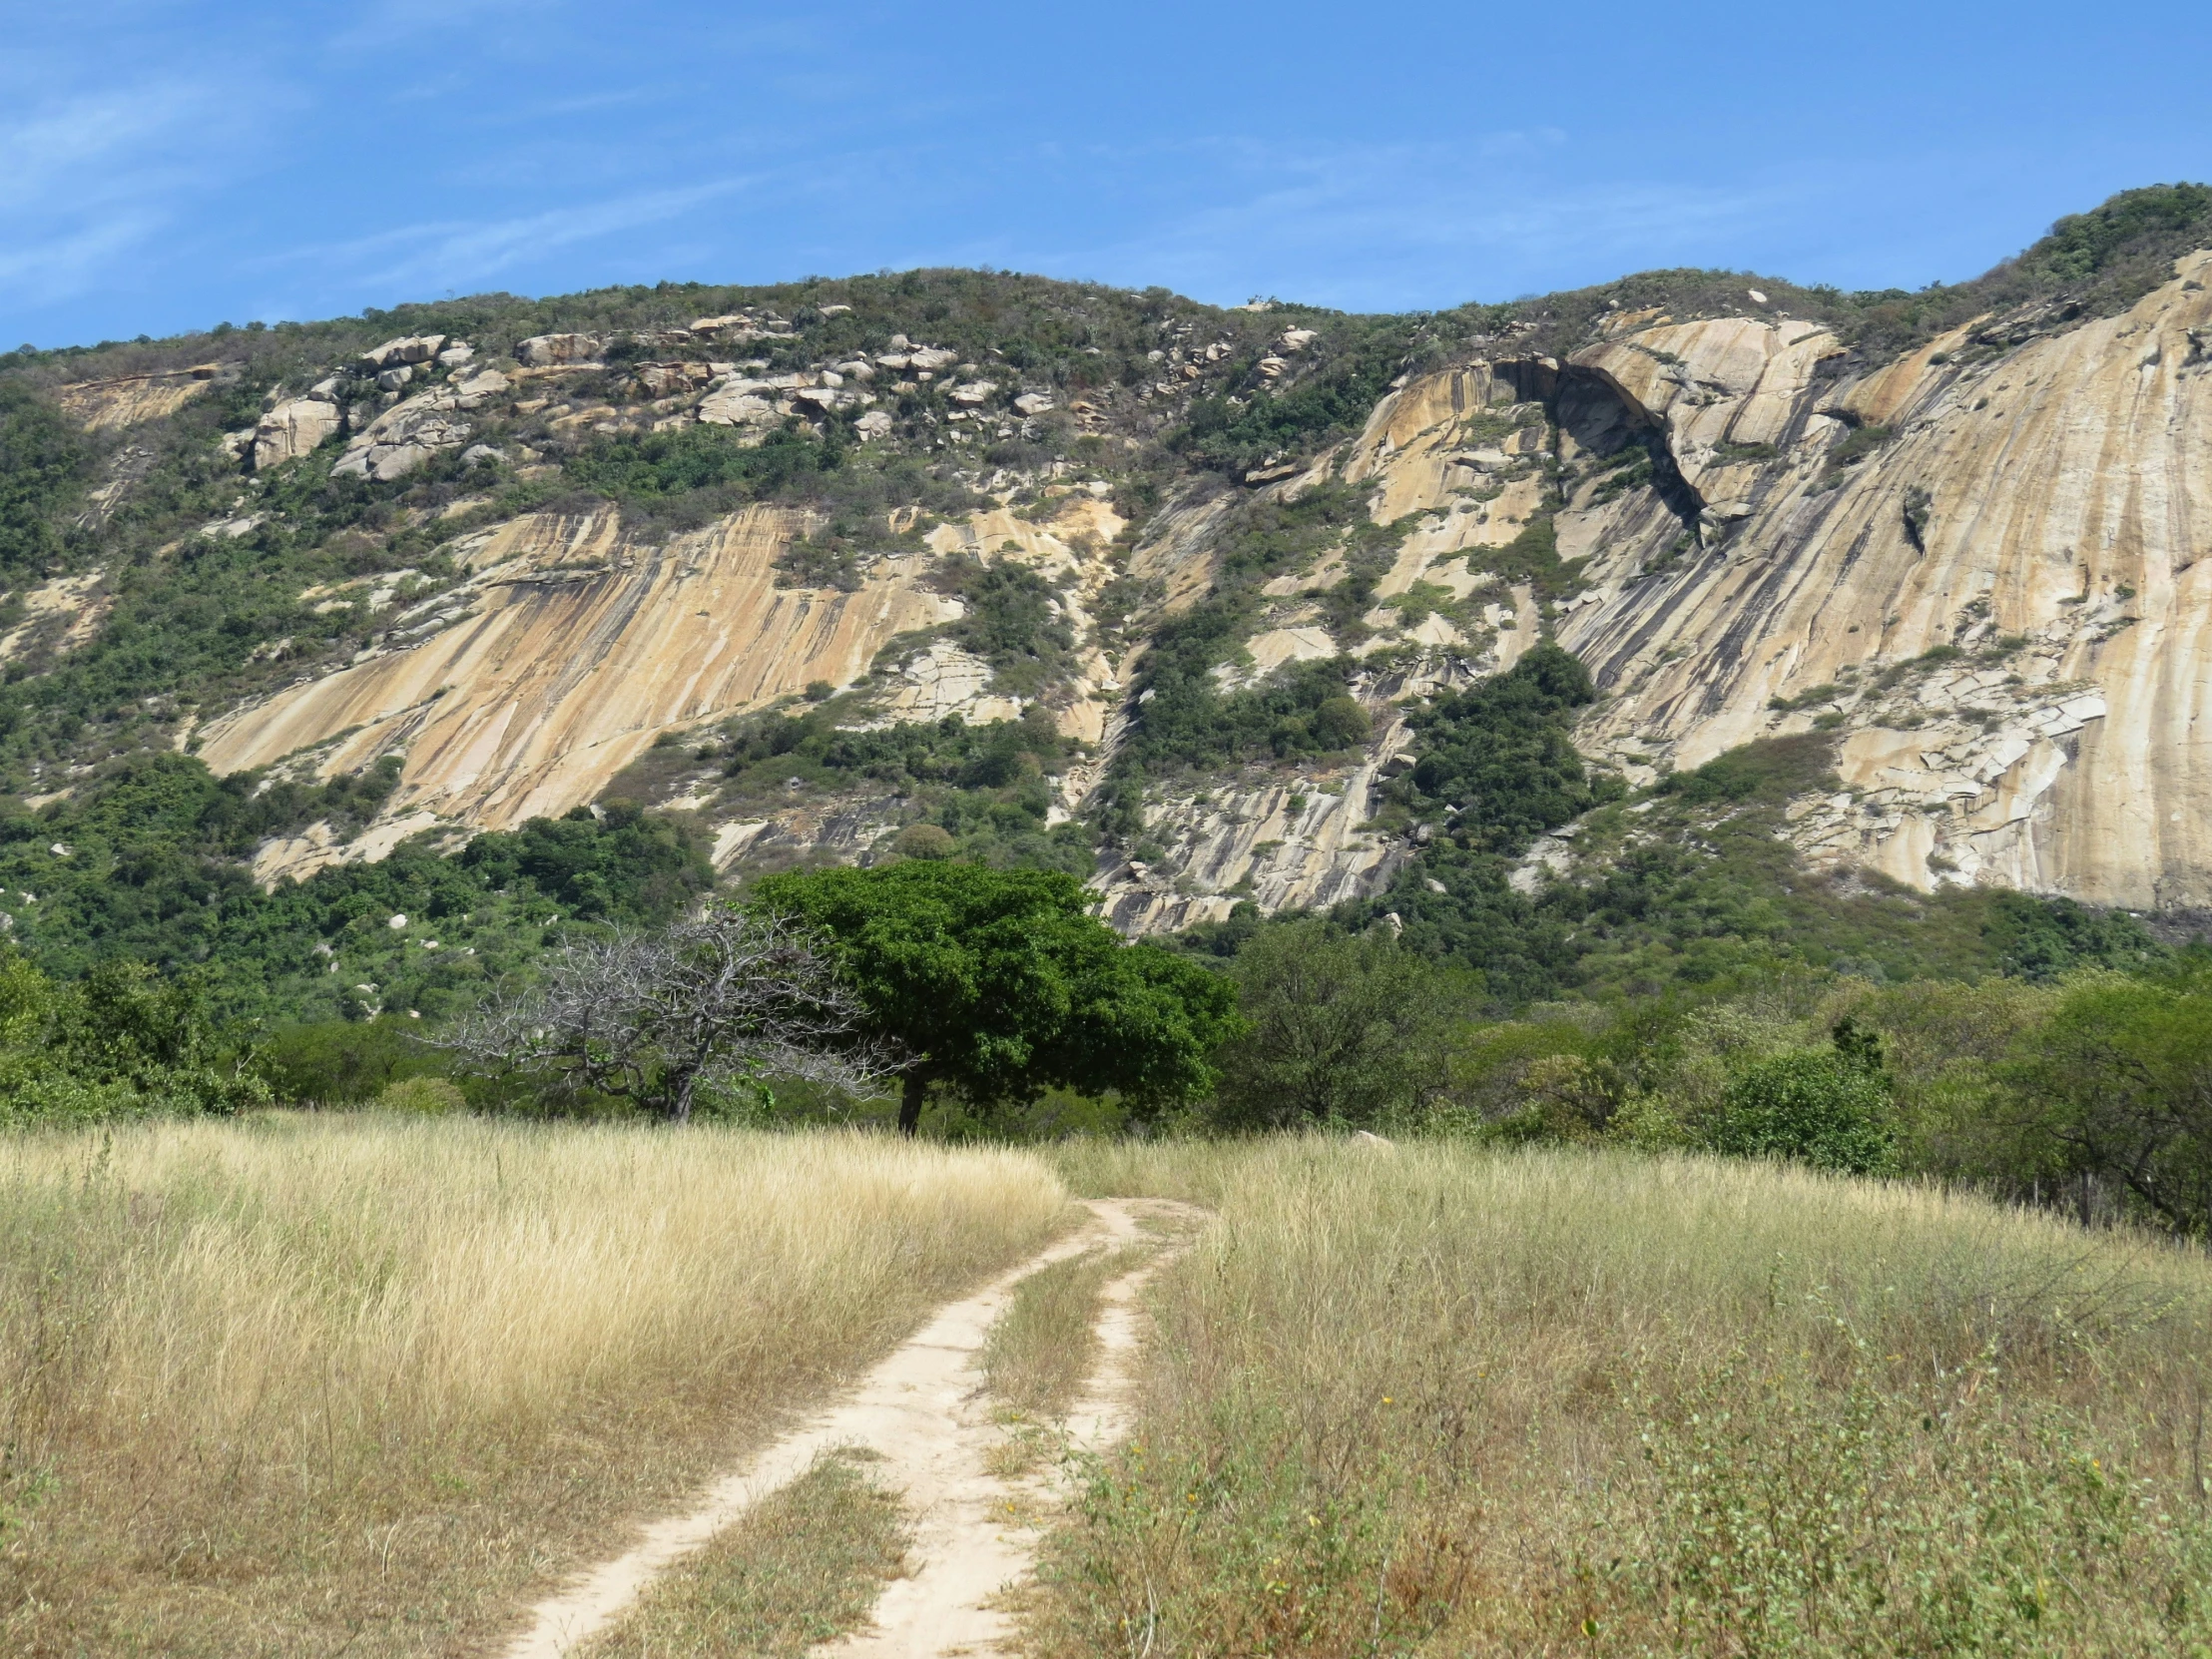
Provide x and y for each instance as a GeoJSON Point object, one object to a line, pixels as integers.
{"type": "Point", "coordinates": [832, 310]}
{"type": "Point", "coordinates": [668, 379]}
{"type": "Point", "coordinates": [326, 391]}
{"type": "Point", "coordinates": [715, 324]}
{"type": "Point", "coordinates": [391, 379]}
{"type": "Point", "coordinates": [482, 454]}
{"type": "Point", "coordinates": [415, 348]}
{"type": "Point", "coordinates": [931, 358]}
{"type": "Point", "coordinates": [737, 405]}
{"type": "Point", "coordinates": [1297, 339]}
{"type": "Point", "coordinates": [293, 428]}
{"type": "Point", "coordinates": [1033, 403]}
{"type": "Point", "coordinates": [404, 436]}
{"type": "Point", "coordinates": [973, 392]}
{"type": "Point", "coordinates": [473, 389]}
{"type": "Point", "coordinates": [555, 351]}
{"type": "Point", "coordinates": [454, 355]}
{"type": "Point", "coordinates": [877, 424]}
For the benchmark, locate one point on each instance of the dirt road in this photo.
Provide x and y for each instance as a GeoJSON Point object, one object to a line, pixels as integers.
{"type": "Point", "coordinates": [923, 1411]}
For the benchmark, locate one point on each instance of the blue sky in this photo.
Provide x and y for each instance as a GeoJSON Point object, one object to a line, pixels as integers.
{"type": "Point", "coordinates": [164, 167]}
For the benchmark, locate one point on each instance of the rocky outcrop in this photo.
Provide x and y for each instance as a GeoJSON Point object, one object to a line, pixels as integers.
{"type": "Point", "coordinates": [565, 651]}
{"type": "Point", "coordinates": [132, 400]}
{"type": "Point", "coordinates": [2043, 510]}
{"type": "Point", "coordinates": [558, 350]}
{"type": "Point", "coordinates": [1284, 842]}
{"type": "Point", "coordinates": [293, 428]}
{"type": "Point", "coordinates": [1979, 566]}
{"type": "Point", "coordinates": [411, 431]}
{"type": "Point", "coordinates": [415, 348]}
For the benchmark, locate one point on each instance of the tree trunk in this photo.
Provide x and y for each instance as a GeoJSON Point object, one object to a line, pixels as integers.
{"type": "Point", "coordinates": [679, 1110]}
{"type": "Point", "coordinates": [909, 1102]}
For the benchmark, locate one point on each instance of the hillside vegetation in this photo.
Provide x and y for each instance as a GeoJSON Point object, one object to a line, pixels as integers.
{"type": "Point", "coordinates": [168, 562]}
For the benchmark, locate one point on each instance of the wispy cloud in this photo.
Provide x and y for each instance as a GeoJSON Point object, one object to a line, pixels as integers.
{"type": "Point", "coordinates": [87, 179]}
{"type": "Point", "coordinates": [455, 254]}
{"type": "Point", "coordinates": [1396, 225]}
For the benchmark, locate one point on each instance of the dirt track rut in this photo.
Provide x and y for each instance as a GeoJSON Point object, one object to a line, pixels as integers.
{"type": "Point", "coordinates": [921, 1410]}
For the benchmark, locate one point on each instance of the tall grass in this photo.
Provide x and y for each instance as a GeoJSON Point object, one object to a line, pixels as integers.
{"type": "Point", "coordinates": [298, 1384]}
{"type": "Point", "coordinates": [1439, 1401]}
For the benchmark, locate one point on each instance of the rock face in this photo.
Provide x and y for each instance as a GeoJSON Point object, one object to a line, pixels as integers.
{"type": "Point", "coordinates": [550, 351]}
{"type": "Point", "coordinates": [1284, 843]}
{"type": "Point", "coordinates": [2001, 607]}
{"type": "Point", "coordinates": [293, 428]}
{"type": "Point", "coordinates": [111, 405]}
{"type": "Point", "coordinates": [568, 649]}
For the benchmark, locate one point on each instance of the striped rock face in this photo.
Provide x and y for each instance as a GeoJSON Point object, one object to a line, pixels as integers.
{"type": "Point", "coordinates": [1997, 602]}
{"type": "Point", "coordinates": [566, 652]}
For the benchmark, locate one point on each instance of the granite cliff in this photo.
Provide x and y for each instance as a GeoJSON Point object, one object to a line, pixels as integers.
{"type": "Point", "coordinates": [544, 557]}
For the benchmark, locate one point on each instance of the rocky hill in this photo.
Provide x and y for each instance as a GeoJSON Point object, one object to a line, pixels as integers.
{"type": "Point", "coordinates": [1170, 595]}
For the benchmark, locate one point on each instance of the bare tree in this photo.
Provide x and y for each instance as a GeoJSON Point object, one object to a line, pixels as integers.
{"type": "Point", "coordinates": [728, 997]}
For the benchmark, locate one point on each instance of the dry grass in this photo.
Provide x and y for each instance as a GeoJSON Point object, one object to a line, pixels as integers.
{"type": "Point", "coordinates": [805, 1566]}
{"type": "Point", "coordinates": [1039, 1352]}
{"type": "Point", "coordinates": [366, 1384]}
{"type": "Point", "coordinates": [1442, 1402]}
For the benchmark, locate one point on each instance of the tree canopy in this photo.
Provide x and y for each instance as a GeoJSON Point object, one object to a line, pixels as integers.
{"type": "Point", "coordinates": [999, 984]}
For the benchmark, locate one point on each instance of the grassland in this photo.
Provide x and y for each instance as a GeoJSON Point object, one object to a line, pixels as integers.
{"type": "Point", "coordinates": [368, 1385]}
{"type": "Point", "coordinates": [1433, 1401]}
{"type": "Point", "coordinates": [363, 1384]}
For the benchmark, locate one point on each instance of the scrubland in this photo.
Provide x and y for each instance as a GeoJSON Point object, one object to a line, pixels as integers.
{"type": "Point", "coordinates": [363, 1384]}
{"type": "Point", "coordinates": [1430, 1400]}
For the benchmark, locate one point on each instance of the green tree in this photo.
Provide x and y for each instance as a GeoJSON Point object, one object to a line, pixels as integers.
{"type": "Point", "coordinates": [1831, 1109]}
{"type": "Point", "coordinates": [999, 984]}
{"type": "Point", "coordinates": [1343, 1029]}
{"type": "Point", "coordinates": [2119, 1083]}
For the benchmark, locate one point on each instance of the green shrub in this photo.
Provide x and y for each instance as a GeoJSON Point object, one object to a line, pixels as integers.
{"type": "Point", "coordinates": [342, 1062]}
{"type": "Point", "coordinates": [924, 840]}
{"type": "Point", "coordinates": [423, 1096]}
{"type": "Point", "coordinates": [1827, 1109]}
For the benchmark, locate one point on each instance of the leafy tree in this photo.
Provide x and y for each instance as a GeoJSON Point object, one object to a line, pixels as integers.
{"type": "Point", "coordinates": [1343, 1029]}
{"type": "Point", "coordinates": [2119, 1083]}
{"type": "Point", "coordinates": [2043, 939]}
{"type": "Point", "coordinates": [123, 1040]}
{"type": "Point", "coordinates": [1500, 753]}
{"type": "Point", "coordinates": [999, 984]}
{"type": "Point", "coordinates": [1831, 1110]}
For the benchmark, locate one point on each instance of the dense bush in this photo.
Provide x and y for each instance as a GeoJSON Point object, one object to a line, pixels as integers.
{"type": "Point", "coordinates": [1343, 1030]}
{"type": "Point", "coordinates": [1829, 1109]}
